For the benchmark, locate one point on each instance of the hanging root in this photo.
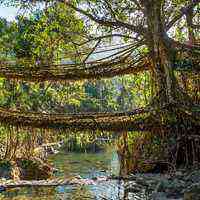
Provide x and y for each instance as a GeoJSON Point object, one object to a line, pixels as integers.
{"type": "Point", "coordinates": [187, 150]}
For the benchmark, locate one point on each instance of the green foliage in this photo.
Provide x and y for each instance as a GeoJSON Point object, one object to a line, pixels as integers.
{"type": "Point", "coordinates": [27, 164]}
{"type": "Point", "coordinates": [44, 36]}
{"type": "Point", "coordinates": [116, 94]}
{"type": "Point", "coordinates": [5, 165]}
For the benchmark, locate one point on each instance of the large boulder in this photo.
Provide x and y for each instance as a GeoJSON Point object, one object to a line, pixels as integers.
{"type": "Point", "coordinates": [34, 169]}
{"type": "Point", "coordinates": [5, 169]}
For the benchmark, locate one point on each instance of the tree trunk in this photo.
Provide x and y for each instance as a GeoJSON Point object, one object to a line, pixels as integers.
{"type": "Point", "coordinates": [163, 74]}
{"type": "Point", "coordinates": [166, 86]}
{"type": "Point", "coordinates": [177, 112]}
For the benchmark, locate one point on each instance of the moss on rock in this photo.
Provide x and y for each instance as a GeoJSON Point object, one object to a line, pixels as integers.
{"type": "Point", "coordinates": [5, 169]}
{"type": "Point", "coordinates": [34, 169]}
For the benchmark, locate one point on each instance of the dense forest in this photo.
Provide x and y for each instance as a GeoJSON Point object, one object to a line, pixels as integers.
{"type": "Point", "coordinates": [75, 71]}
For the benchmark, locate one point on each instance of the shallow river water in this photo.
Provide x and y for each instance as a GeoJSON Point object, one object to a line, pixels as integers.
{"type": "Point", "coordinates": [83, 165]}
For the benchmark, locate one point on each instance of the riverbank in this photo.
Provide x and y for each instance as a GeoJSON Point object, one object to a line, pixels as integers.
{"type": "Point", "coordinates": [35, 167]}
{"type": "Point", "coordinates": [184, 185]}
{"type": "Point", "coordinates": [98, 174]}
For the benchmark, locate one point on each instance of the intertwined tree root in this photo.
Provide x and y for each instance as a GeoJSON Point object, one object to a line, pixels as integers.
{"type": "Point", "coordinates": [181, 133]}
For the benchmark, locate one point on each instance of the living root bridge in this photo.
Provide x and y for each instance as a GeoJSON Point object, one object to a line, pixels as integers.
{"type": "Point", "coordinates": [73, 72]}
{"type": "Point", "coordinates": [119, 121]}
{"type": "Point", "coordinates": [93, 70]}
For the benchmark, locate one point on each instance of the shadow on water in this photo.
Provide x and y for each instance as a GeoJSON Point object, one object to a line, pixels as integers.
{"type": "Point", "coordinates": [91, 165]}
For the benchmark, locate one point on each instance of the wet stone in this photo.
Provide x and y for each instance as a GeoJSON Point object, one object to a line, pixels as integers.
{"type": "Point", "coordinates": [192, 192]}
{"type": "Point", "coordinates": [159, 196]}
{"type": "Point", "coordinates": [133, 188]}
{"type": "Point", "coordinates": [193, 177]}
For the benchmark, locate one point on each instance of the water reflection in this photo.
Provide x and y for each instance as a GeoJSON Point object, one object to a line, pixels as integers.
{"type": "Point", "coordinates": [113, 159]}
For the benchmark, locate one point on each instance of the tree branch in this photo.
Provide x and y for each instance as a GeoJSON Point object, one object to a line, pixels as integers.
{"type": "Point", "coordinates": [195, 26]}
{"type": "Point", "coordinates": [106, 36]}
{"type": "Point", "coordinates": [137, 3]}
{"type": "Point", "coordinates": [183, 12]}
{"type": "Point", "coordinates": [93, 49]}
{"type": "Point", "coordinates": [109, 23]}
{"type": "Point", "coordinates": [184, 46]}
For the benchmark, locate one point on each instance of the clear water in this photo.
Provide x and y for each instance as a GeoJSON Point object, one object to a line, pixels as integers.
{"type": "Point", "coordinates": [85, 165]}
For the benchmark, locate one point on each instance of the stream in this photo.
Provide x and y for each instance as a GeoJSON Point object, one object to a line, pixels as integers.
{"type": "Point", "coordinates": [88, 166]}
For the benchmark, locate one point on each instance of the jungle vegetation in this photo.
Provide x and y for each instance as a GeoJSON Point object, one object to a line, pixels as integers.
{"type": "Point", "coordinates": [106, 57]}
